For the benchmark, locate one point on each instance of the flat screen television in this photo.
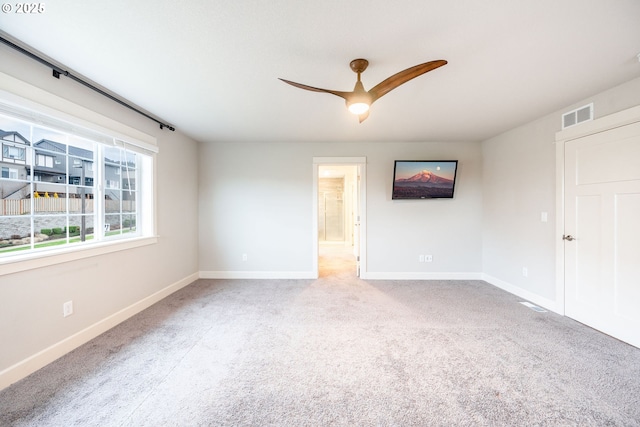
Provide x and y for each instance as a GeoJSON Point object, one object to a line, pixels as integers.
{"type": "Point", "coordinates": [424, 179]}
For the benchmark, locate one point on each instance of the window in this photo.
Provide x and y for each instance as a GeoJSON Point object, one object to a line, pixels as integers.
{"type": "Point", "coordinates": [44, 160]}
{"type": "Point", "coordinates": [12, 153]}
{"type": "Point", "coordinates": [10, 173]}
{"type": "Point", "coordinates": [50, 203]}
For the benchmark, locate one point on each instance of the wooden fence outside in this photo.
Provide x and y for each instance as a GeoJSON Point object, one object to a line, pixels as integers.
{"type": "Point", "coordinates": [45, 205]}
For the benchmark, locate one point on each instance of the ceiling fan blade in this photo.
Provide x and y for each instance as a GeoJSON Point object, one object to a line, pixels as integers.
{"type": "Point", "coordinates": [362, 117]}
{"type": "Point", "coordinates": [343, 95]}
{"type": "Point", "coordinates": [404, 76]}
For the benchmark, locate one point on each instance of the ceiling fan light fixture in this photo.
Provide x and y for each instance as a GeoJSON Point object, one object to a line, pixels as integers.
{"type": "Point", "coordinates": [358, 108]}
{"type": "Point", "coordinates": [359, 100]}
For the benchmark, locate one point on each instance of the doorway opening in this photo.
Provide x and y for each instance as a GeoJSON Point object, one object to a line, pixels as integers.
{"type": "Point", "coordinates": [338, 216]}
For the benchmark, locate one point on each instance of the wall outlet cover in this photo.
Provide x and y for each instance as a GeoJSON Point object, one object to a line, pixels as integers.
{"type": "Point", "coordinates": [67, 308]}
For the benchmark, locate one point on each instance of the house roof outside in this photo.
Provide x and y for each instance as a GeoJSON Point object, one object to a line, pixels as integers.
{"type": "Point", "coordinates": [13, 136]}
{"type": "Point", "coordinates": [57, 147]}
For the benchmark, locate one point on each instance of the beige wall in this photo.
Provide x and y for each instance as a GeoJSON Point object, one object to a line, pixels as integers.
{"type": "Point", "coordinates": [256, 198]}
{"type": "Point", "coordinates": [519, 183]}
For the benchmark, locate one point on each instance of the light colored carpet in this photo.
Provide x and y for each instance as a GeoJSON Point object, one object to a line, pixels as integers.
{"type": "Point", "coordinates": [337, 351]}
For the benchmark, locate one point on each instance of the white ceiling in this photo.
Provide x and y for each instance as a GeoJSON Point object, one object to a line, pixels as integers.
{"type": "Point", "coordinates": [210, 67]}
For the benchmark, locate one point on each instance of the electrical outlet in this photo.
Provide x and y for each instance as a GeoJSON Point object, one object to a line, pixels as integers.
{"type": "Point", "coordinates": [544, 217]}
{"type": "Point", "coordinates": [67, 308]}
{"type": "Point", "coordinates": [244, 257]}
{"type": "Point", "coordinates": [428, 258]}
{"type": "Point", "coordinates": [525, 271]}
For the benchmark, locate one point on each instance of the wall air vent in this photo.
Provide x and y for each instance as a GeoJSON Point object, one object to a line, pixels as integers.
{"type": "Point", "coordinates": [577, 116]}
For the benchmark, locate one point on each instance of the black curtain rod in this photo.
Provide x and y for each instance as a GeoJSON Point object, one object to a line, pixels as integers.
{"type": "Point", "coordinates": [57, 71]}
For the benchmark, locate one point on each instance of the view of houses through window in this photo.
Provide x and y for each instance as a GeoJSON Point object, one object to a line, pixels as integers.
{"type": "Point", "coordinates": [59, 189]}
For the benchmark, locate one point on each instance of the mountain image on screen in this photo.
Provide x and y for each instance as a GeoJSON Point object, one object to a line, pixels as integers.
{"type": "Point", "coordinates": [423, 185]}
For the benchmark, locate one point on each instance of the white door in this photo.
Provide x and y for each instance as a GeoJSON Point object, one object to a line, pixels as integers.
{"type": "Point", "coordinates": [602, 231]}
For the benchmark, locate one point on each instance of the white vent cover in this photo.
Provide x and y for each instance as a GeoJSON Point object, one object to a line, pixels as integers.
{"type": "Point", "coordinates": [577, 116]}
{"type": "Point", "coordinates": [533, 307]}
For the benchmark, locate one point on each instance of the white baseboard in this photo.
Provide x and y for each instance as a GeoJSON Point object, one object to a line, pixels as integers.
{"type": "Point", "coordinates": [420, 276]}
{"type": "Point", "coordinates": [258, 275]}
{"type": "Point", "coordinates": [523, 293]}
{"type": "Point", "coordinates": [42, 358]}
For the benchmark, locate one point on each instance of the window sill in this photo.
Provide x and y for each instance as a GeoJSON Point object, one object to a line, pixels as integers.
{"type": "Point", "coordinates": [18, 263]}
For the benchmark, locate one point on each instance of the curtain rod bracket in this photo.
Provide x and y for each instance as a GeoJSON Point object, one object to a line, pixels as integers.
{"type": "Point", "coordinates": [57, 73]}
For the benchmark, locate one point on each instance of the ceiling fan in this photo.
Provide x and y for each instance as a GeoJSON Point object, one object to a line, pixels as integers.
{"type": "Point", "coordinates": [359, 100]}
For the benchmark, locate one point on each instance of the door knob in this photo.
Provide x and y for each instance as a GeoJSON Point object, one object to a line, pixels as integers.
{"type": "Point", "coordinates": [568, 237]}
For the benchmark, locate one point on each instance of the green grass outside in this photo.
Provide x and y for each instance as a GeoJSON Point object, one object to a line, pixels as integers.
{"type": "Point", "coordinates": [61, 241]}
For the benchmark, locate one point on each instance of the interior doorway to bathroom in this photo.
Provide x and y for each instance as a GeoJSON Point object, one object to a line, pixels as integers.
{"type": "Point", "coordinates": [339, 215]}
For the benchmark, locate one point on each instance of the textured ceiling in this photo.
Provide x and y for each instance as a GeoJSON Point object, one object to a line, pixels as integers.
{"type": "Point", "coordinates": [211, 68]}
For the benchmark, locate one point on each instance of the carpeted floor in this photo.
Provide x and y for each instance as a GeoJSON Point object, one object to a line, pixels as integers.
{"type": "Point", "coordinates": [337, 351]}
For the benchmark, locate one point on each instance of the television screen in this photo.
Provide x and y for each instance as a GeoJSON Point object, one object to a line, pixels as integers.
{"type": "Point", "coordinates": [424, 179]}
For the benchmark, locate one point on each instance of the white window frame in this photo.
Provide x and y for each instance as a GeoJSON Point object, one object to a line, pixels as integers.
{"type": "Point", "coordinates": [25, 101]}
